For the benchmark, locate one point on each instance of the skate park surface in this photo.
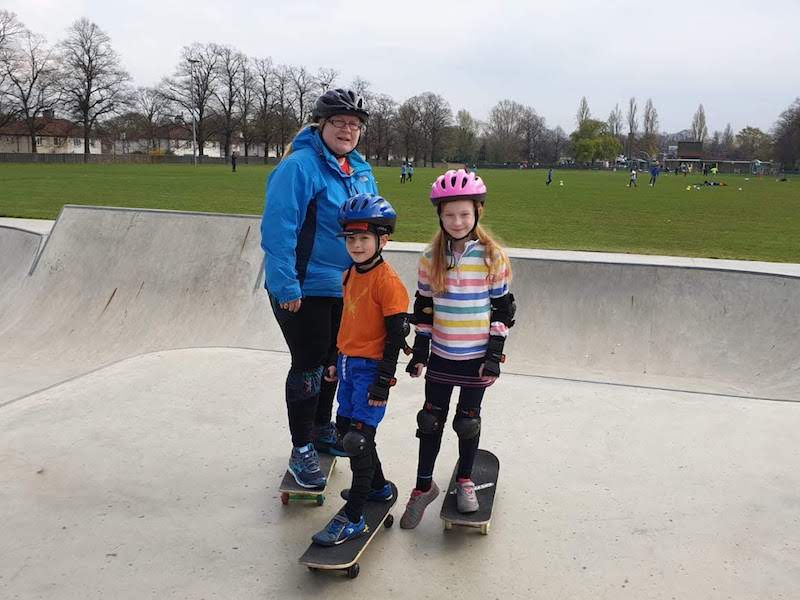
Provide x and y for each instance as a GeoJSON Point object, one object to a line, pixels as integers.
{"type": "Point", "coordinates": [645, 423]}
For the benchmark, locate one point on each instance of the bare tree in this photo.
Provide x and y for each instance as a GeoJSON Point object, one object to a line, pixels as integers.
{"type": "Point", "coordinates": [787, 136]}
{"type": "Point", "coordinates": [503, 131]}
{"type": "Point", "coordinates": [466, 142]}
{"type": "Point", "coordinates": [380, 129]}
{"type": "Point", "coordinates": [408, 124]}
{"type": "Point", "coordinates": [633, 126]}
{"type": "Point", "coordinates": [360, 86]}
{"type": "Point", "coordinates": [699, 129]}
{"type": "Point", "coordinates": [326, 79]}
{"type": "Point", "coordinates": [153, 107]}
{"type": "Point", "coordinates": [11, 31]}
{"type": "Point", "coordinates": [650, 127]}
{"type": "Point", "coordinates": [226, 93]}
{"type": "Point", "coordinates": [304, 91]}
{"type": "Point", "coordinates": [33, 85]}
{"type": "Point", "coordinates": [193, 86]}
{"type": "Point", "coordinates": [436, 115]}
{"type": "Point", "coordinates": [266, 118]}
{"type": "Point", "coordinates": [558, 141]}
{"type": "Point", "coordinates": [248, 101]}
{"type": "Point", "coordinates": [532, 130]}
{"type": "Point", "coordinates": [282, 96]}
{"type": "Point", "coordinates": [615, 122]}
{"type": "Point", "coordinates": [94, 83]}
{"type": "Point", "coordinates": [583, 113]}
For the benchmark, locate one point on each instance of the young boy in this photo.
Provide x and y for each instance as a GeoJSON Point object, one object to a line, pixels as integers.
{"type": "Point", "coordinates": [371, 335]}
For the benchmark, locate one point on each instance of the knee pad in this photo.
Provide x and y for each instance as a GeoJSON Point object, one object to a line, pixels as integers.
{"type": "Point", "coordinates": [302, 385]}
{"type": "Point", "coordinates": [467, 424]}
{"type": "Point", "coordinates": [358, 441]}
{"type": "Point", "coordinates": [429, 420]}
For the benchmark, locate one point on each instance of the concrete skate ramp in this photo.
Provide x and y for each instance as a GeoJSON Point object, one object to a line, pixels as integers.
{"type": "Point", "coordinates": [116, 283]}
{"type": "Point", "coordinates": [18, 250]}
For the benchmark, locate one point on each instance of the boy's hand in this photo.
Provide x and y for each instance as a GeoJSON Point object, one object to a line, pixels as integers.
{"type": "Point", "coordinates": [415, 370]}
{"type": "Point", "coordinates": [330, 374]}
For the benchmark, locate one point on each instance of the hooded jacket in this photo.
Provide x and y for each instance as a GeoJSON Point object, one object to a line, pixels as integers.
{"type": "Point", "coordinates": [303, 256]}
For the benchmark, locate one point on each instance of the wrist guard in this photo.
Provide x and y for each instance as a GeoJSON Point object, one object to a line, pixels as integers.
{"type": "Point", "coordinates": [420, 352]}
{"type": "Point", "coordinates": [379, 390]}
{"type": "Point", "coordinates": [494, 356]}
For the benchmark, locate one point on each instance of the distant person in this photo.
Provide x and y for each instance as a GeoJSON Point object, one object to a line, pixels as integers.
{"type": "Point", "coordinates": [410, 172]}
{"type": "Point", "coordinates": [304, 265]}
{"type": "Point", "coordinates": [403, 173]}
{"type": "Point", "coordinates": [714, 171]}
{"type": "Point", "coordinates": [234, 157]}
{"type": "Point", "coordinates": [632, 182]}
{"type": "Point", "coordinates": [654, 171]}
{"type": "Point", "coordinates": [549, 177]}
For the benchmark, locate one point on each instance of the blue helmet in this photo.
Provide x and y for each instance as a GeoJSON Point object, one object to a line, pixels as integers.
{"type": "Point", "coordinates": [372, 209]}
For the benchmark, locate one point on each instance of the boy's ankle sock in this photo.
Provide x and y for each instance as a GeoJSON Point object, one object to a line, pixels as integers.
{"type": "Point", "coordinates": [350, 514]}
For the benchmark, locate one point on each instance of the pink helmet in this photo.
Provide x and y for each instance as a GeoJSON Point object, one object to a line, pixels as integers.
{"type": "Point", "coordinates": [458, 185]}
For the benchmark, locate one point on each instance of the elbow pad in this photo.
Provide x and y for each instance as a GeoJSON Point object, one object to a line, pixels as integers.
{"type": "Point", "coordinates": [423, 310]}
{"type": "Point", "coordinates": [503, 310]}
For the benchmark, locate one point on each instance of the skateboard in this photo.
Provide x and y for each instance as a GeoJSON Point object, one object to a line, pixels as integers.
{"type": "Point", "coordinates": [345, 556]}
{"type": "Point", "coordinates": [291, 490]}
{"type": "Point", "coordinates": [484, 474]}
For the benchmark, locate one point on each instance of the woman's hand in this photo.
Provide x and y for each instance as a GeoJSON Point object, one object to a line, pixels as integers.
{"type": "Point", "coordinates": [330, 374]}
{"type": "Point", "coordinates": [292, 306]}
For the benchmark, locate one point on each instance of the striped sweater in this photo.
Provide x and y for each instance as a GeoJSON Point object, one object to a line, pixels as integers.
{"type": "Point", "coordinates": [461, 315]}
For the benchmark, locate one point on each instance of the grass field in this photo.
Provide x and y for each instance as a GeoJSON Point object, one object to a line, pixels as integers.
{"type": "Point", "coordinates": [591, 211]}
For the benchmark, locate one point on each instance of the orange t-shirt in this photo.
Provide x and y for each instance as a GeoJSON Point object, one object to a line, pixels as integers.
{"type": "Point", "coordinates": [368, 298]}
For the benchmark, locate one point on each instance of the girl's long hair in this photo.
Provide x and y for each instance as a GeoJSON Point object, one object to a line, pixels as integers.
{"type": "Point", "coordinates": [496, 257]}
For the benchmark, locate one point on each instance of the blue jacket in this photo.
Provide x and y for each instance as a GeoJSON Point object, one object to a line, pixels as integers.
{"type": "Point", "coordinates": [303, 256]}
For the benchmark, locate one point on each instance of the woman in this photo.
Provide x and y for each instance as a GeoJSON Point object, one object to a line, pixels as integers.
{"type": "Point", "coordinates": [305, 261]}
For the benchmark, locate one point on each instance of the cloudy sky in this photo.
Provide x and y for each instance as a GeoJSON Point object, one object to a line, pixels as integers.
{"type": "Point", "coordinates": [740, 59]}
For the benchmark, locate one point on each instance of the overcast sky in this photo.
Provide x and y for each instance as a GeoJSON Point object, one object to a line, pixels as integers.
{"type": "Point", "coordinates": [740, 59]}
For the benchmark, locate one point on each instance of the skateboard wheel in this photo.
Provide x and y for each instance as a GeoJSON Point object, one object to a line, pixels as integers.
{"type": "Point", "coordinates": [320, 500]}
{"type": "Point", "coordinates": [352, 571]}
{"type": "Point", "coordinates": [284, 498]}
{"type": "Point", "coordinates": [485, 529]}
{"type": "Point", "coordinates": [448, 525]}
{"type": "Point", "coordinates": [389, 521]}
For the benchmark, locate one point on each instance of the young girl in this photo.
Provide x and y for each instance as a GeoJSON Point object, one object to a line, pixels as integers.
{"type": "Point", "coordinates": [462, 313]}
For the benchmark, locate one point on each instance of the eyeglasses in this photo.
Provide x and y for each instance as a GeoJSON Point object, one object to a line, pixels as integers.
{"type": "Point", "coordinates": [342, 124]}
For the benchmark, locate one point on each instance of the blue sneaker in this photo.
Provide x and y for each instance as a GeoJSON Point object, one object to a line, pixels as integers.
{"type": "Point", "coordinates": [326, 439]}
{"type": "Point", "coordinates": [339, 530]}
{"type": "Point", "coordinates": [382, 495]}
{"type": "Point", "coordinates": [304, 465]}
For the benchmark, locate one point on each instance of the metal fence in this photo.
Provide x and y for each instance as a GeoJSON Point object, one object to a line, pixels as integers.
{"type": "Point", "coordinates": [143, 159]}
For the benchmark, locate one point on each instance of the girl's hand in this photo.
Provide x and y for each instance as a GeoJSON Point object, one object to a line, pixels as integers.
{"type": "Point", "coordinates": [330, 374]}
{"type": "Point", "coordinates": [292, 306]}
{"type": "Point", "coordinates": [480, 374]}
{"type": "Point", "coordinates": [418, 369]}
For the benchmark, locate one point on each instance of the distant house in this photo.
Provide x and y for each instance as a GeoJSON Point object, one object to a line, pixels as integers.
{"type": "Point", "coordinates": [53, 136]}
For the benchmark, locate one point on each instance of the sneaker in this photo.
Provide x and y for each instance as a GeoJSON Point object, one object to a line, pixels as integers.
{"type": "Point", "coordinates": [304, 466]}
{"type": "Point", "coordinates": [382, 495]}
{"type": "Point", "coordinates": [326, 439]}
{"type": "Point", "coordinates": [416, 506]}
{"type": "Point", "coordinates": [466, 500]}
{"type": "Point", "coordinates": [339, 530]}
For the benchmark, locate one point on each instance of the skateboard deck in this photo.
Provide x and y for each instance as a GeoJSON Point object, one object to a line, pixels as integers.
{"type": "Point", "coordinates": [345, 556]}
{"type": "Point", "coordinates": [291, 490]}
{"type": "Point", "coordinates": [484, 474]}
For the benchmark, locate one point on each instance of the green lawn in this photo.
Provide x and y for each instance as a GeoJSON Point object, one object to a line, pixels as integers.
{"type": "Point", "coordinates": [591, 211]}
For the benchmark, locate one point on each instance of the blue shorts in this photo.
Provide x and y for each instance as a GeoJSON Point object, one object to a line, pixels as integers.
{"type": "Point", "coordinates": [355, 377]}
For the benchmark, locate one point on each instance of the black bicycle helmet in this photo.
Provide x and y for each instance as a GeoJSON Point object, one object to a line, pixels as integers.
{"type": "Point", "coordinates": [340, 102]}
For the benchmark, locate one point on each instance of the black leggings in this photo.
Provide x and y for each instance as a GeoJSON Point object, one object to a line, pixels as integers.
{"type": "Point", "coordinates": [438, 396]}
{"type": "Point", "coordinates": [310, 334]}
